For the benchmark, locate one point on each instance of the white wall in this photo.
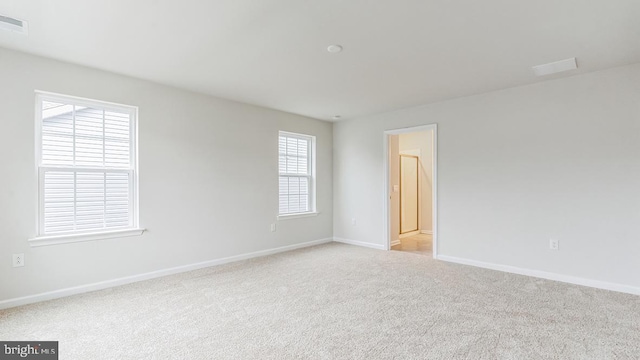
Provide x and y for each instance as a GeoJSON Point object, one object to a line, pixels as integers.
{"type": "Point", "coordinates": [560, 158]}
{"type": "Point", "coordinates": [208, 179]}
{"type": "Point", "coordinates": [422, 141]}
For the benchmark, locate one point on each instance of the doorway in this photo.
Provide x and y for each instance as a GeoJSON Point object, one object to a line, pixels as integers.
{"type": "Point", "coordinates": [410, 191]}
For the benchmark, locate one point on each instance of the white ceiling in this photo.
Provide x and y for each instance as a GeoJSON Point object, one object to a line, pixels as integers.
{"type": "Point", "coordinates": [272, 53]}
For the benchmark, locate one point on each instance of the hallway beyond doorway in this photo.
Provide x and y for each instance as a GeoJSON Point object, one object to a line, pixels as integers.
{"type": "Point", "coordinates": [403, 202]}
{"type": "Point", "coordinates": [418, 244]}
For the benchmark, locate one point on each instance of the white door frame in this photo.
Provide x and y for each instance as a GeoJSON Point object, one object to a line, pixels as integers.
{"type": "Point", "coordinates": [387, 191]}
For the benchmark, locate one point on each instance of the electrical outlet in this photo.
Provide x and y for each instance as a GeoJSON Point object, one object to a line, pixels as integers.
{"type": "Point", "coordinates": [353, 222]}
{"type": "Point", "coordinates": [554, 244]}
{"type": "Point", "coordinates": [273, 227]}
{"type": "Point", "coordinates": [18, 260]}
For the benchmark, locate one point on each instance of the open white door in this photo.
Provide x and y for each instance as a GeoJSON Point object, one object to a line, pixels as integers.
{"type": "Point", "coordinates": [409, 208]}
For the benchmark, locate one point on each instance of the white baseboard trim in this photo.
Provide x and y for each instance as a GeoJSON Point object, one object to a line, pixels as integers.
{"type": "Point", "coordinates": [359, 243]}
{"type": "Point", "coordinates": [428, 232]}
{"type": "Point", "coordinates": [5, 304]}
{"type": "Point", "coordinates": [545, 275]}
{"type": "Point", "coordinates": [396, 242]}
{"type": "Point", "coordinates": [409, 234]}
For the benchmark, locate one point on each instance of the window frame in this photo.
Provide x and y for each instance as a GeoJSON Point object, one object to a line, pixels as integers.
{"type": "Point", "coordinates": [134, 228]}
{"type": "Point", "coordinates": [311, 175]}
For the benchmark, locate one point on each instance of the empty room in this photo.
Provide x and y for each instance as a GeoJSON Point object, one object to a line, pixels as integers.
{"type": "Point", "coordinates": [280, 179]}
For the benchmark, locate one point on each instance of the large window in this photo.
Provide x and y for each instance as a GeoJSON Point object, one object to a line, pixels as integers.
{"type": "Point", "coordinates": [297, 173]}
{"type": "Point", "coordinates": [86, 160]}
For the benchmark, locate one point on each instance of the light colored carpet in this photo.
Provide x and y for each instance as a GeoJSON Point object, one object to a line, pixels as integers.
{"type": "Point", "coordinates": [337, 301]}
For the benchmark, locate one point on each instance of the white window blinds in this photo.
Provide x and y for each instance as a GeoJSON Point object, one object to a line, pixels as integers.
{"type": "Point", "coordinates": [296, 183]}
{"type": "Point", "coordinates": [86, 166]}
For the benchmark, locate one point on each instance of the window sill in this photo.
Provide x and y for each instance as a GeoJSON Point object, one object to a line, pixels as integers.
{"type": "Point", "coordinates": [72, 238]}
{"type": "Point", "coordinates": [297, 216]}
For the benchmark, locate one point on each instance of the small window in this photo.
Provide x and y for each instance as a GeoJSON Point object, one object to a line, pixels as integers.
{"type": "Point", "coordinates": [86, 160]}
{"type": "Point", "coordinates": [297, 173]}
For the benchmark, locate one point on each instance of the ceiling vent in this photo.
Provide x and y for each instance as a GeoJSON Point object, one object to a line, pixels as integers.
{"type": "Point", "coordinates": [555, 67]}
{"type": "Point", "coordinates": [13, 25]}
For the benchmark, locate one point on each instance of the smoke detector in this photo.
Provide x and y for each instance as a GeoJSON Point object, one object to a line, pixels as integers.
{"type": "Point", "coordinates": [334, 48]}
{"type": "Point", "coordinates": [13, 25]}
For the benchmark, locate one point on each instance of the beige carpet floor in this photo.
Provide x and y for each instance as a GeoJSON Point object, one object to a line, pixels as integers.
{"type": "Point", "coordinates": [337, 301]}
